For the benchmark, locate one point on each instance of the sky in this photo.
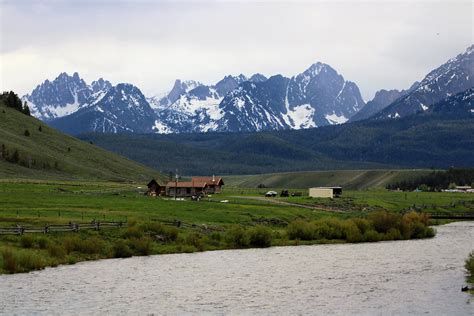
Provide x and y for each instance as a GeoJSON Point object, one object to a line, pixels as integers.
{"type": "Point", "coordinates": [376, 44]}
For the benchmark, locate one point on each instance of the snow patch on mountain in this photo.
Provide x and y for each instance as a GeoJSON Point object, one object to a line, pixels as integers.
{"type": "Point", "coordinates": [336, 119]}
{"type": "Point", "coordinates": [300, 116]}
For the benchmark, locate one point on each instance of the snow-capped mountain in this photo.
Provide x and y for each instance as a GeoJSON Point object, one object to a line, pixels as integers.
{"type": "Point", "coordinates": [333, 99]}
{"type": "Point", "coordinates": [122, 108]}
{"type": "Point", "coordinates": [198, 109]}
{"type": "Point", "coordinates": [455, 76]}
{"type": "Point", "coordinates": [180, 88]}
{"type": "Point", "coordinates": [62, 96]}
{"type": "Point", "coordinates": [319, 96]}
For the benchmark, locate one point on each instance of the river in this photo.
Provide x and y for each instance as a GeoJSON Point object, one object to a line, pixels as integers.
{"type": "Point", "coordinates": [399, 277]}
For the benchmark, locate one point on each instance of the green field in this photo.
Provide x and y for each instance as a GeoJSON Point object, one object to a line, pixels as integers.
{"type": "Point", "coordinates": [349, 179]}
{"type": "Point", "coordinates": [236, 218]}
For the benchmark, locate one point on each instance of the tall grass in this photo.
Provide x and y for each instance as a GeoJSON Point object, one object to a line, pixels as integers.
{"type": "Point", "coordinates": [469, 265]}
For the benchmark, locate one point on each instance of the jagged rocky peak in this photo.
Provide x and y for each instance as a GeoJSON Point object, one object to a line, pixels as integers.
{"type": "Point", "coordinates": [257, 78]}
{"type": "Point", "coordinates": [62, 96]}
{"type": "Point", "coordinates": [229, 83]}
{"type": "Point", "coordinates": [181, 87]}
{"type": "Point", "coordinates": [100, 85]}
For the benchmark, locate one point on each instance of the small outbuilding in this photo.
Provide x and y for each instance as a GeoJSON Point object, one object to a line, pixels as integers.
{"type": "Point", "coordinates": [325, 192]}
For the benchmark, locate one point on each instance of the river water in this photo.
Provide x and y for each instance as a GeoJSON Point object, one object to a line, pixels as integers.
{"type": "Point", "coordinates": [400, 277]}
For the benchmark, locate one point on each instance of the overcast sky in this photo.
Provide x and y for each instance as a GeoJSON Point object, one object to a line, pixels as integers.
{"type": "Point", "coordinates": [376, 44]}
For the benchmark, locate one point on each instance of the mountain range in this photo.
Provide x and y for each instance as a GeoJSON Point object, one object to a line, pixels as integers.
{"type": "Point", "coordinates": [319, 96]}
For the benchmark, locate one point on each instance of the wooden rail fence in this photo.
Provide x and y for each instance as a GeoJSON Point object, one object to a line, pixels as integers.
{"type": "Point", "coordinates": [71, 227]}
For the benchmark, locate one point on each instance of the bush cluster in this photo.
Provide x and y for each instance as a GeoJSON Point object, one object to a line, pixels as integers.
{"type": "Point", "coordinates": [259, 236]}
{"type": "Point", "coordinates": [21, 261]}
{"type": "Point", "coordinates": [378, 226]}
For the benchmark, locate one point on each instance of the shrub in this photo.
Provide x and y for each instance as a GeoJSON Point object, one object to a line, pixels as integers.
{"type": "Point", "coordinates": [21, 261]}
{"type": "Point", "coordinates": [141, 246]}
{"type": "Point", "coordinates": [415, 225]}
{"type": "Point", "coordinates": [133, 232]}
{"type": "Point", "coordinates": [362, 224]}
{"type": "Point", "coordinates": [56, 251]}
{"type": "Point", "coordinates": [71, 243]}
{"type": "Point", "coordinates": [237, 236]}
{"type": "Point", "coordinates": [215, 236]}
{"type": "Point", "coordinates": [371, 236]}
{"type": "Point", "coordinates": [382, 221]}
{"type": "Point", "coordinates": [169, 233]}
{"type": "Point", "coordinates": [42, 243]}
{"type": "Point", "coordinates": [121, 249]}
{"type": "Point", "coordinates": [195, 239]}
{"type": "Point", "coordinates": [260, 236]}
{"type": "Point", "coordinates": [9, 261]}
{"type": "Point", "coordinates": [352, 232]}
{"type": "Point", "coordinates": [469, 265]}
{"type": "Point", "coordinates": [300, 229]}
{"type": "Point", "coordinates": [393, 234]}
{"type": "Point", "coordinates": [26, 133]}
{"type": "Point", "coordinates": [91, 245]}
{"type": "Point", "coordinates": [27, 241]}
{"type": "Point", "coordinates": [28, 261]}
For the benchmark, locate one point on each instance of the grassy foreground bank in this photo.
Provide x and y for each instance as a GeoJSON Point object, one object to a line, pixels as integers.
{"type": "Point", "coordinates": [469, 265]}
{"type": "Point", "coordinates": [222, 222]}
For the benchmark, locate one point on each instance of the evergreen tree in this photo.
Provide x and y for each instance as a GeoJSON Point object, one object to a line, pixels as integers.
{"type": "Point", "coordinates": [27, 133]}
{"type": "Point", "coordinates": [26, 109]}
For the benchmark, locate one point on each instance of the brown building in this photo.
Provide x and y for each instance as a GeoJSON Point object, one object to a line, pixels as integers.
{"type": "Point", "coordinates": [214, 184]}
{"type": "Point", "coordinates": [186, 188]}
{"type": "Point", "coordinates": [155, 189]}
{"type": "Point", "coordinates": [198, 186]}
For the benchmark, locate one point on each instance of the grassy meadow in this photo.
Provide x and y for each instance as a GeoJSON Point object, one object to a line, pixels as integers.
{"type": "Point", "coordinates": [236, 218]}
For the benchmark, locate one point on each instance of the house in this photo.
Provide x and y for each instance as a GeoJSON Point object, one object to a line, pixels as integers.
{"type": "Point", "coordinates": [325, 192]}
{"type": "Point", "coordinates": [155, 189]}
{"type": "Point", "coordinates": [214, 184]}
{"type": "Point", "coordinates": [198, 186]}
{"type": "Point", "coordinates": [186, 188]}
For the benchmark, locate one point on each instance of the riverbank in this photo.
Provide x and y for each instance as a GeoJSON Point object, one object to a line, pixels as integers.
{"type": "Point", "coordinates": [36, 251]}
{"type": "Point", "coordinates": [205, 226]}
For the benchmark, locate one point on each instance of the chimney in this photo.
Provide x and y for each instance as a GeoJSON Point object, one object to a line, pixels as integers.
{"type": "Point", "coordinates": [213, 178]}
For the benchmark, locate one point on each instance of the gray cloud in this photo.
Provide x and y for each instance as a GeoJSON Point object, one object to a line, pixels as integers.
{"type": "Point", "coordinates": [151, 43]}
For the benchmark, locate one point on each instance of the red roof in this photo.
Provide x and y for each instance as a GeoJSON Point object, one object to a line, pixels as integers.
{"type": "Point", "coordinates": [209, 180]}
{"type": "Point", "coordinates": [186, 184]}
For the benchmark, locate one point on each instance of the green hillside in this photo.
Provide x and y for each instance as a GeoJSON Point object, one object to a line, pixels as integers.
{"type": "Point", "coordinates": [31, 149]}
{"type": "Point", "coordinates": [349, 179]}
